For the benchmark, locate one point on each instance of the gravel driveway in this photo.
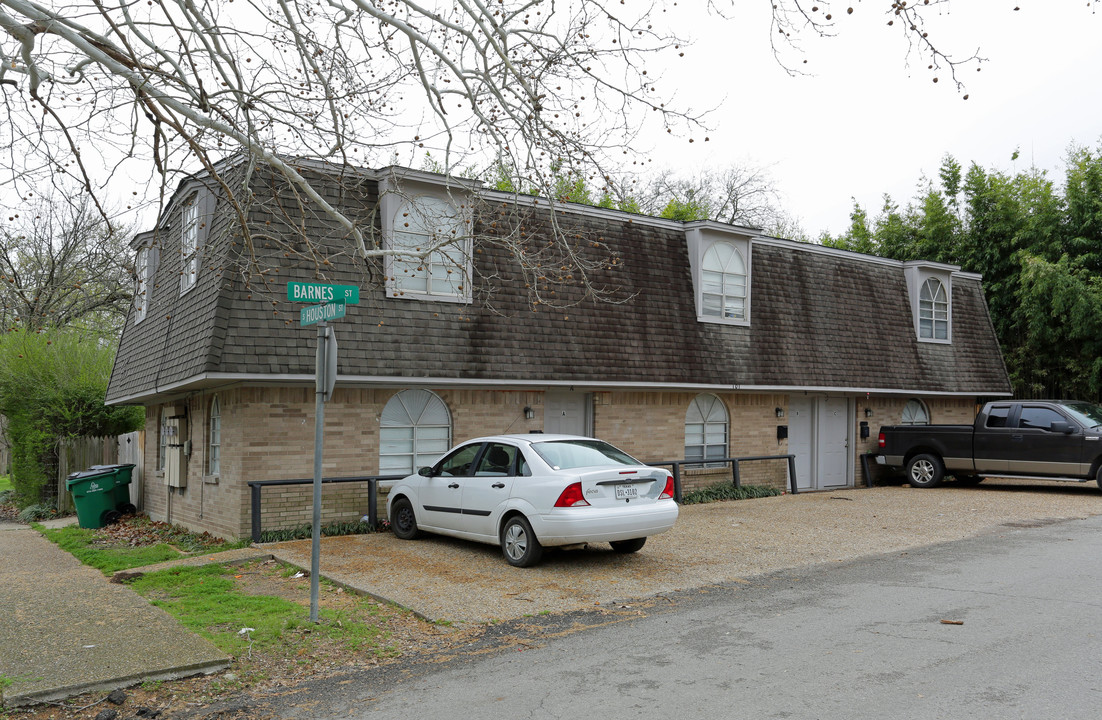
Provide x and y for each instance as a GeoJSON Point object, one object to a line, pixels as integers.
{"type": "Point", "coordinates": [719, 543]}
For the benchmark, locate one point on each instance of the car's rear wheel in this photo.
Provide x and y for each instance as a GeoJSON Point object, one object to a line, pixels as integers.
{"type": "Point", "coordinates": [403, 521]}
{"type": "Point", "coordinates": [925, 471]}
{"type": "Point", "coordinates": [628, 546]}
{"type": "Point", "coordinates": [519, 544]}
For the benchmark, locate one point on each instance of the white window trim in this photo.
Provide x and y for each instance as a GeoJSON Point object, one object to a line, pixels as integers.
{"type": "Point", "coordinates": [162, 440]}
{"type": "Point", "coordinates": [214, 438]}
{"type": "Point", "coordinates": [917, 274]}
{"type": "Point", "coordinates": [189, 242]}
{"type": "Point", "coordinates": [700, 238]}
{"type": "Point", "coordinates": [925, 410]}
{"type": "Point", "coordinates": [393, 202]}
{"type": "Point", "coordinates": [413, 455]}
{"type": "Point", "coordinates": [141, 293]}
{"type": "Point", "coordinates": [726, 423]}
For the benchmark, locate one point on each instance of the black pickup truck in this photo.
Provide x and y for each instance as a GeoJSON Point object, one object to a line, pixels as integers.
{"type": "Point", "coordinates": [1034, 439]}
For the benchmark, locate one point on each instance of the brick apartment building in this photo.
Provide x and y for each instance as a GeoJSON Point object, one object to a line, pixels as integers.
{"type": "Point", "coordinates": [708, 340]}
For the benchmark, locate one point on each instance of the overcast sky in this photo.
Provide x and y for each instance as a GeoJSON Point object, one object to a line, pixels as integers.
{"type": "Point", "coordinates": [864, 123]}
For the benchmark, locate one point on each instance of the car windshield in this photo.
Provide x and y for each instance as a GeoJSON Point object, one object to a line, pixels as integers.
{"type": "Point", "coordinates": [566, 454]}
{"type": "Point", "coordinates": [1088, 414]}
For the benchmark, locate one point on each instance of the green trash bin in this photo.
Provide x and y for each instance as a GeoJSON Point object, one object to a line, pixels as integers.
{"type": "Point", "coordinates": [99, 492]}
{"type": "Point", "coordinates": [123, 476]}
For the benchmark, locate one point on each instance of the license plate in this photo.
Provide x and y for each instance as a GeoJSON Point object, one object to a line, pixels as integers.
{"type": "Point", "coordinates": [626, 492]}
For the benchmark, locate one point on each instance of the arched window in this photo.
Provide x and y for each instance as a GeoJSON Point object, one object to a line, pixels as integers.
{"type": "Point", "coordinates": [162, 442]}
{"type": "Point", "coordinates": [429, 225]}
{"type": "Point", "coordinates": [214, 444]}
{"type": "Point", "coordinates": [706, 426]}
{"type": "Point", "coordinates": [915, 413]}
{"type": "Point", "coordinates": [933, 311]}
{"type": "Point", "coordinates": [415, 429]}
{"type": "Point", "coordinates": [723, 286]}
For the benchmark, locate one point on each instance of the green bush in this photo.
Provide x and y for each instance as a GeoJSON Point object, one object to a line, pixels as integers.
{"type": "Point", "coordinates": [34, 513]}
{"type": "Point", "coordinates": [303, 532]}
{"type": "Point", "coordinates": [727, 491]}
{"type": "Point", "coordinates": [52, 385]}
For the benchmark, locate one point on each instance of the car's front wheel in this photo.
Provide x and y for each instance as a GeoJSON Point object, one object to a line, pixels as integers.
{"type": "Point", "coordinates": [403, 522]}
{"type": "Point", "coordinates": [519, 544]}
{"type": "Point", "coordinates": [925, 471]}
{"type": "Point", "coordinates": [628, 546]}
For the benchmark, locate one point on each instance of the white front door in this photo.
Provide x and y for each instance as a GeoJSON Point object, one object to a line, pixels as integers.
{"type": "Point", "coordinates": [833, 443]}
{"type": "Point", "coordinates": [801, 430]}
{"type": "Point", "coordinates": [567, 413]}
{"type": "Point", "coordinates": [818, 435]}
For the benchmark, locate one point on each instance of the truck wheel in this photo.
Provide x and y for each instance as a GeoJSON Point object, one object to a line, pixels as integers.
{"type": "Point", "coordinates": [925, 471]}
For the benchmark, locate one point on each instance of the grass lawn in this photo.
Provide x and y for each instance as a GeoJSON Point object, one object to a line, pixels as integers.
{"type": "Point", "coordinates": [132, 543]}
{"type": "Point", "coordinates": [217, 602]}
{"type": "Point", "coordinates": [5, 483]}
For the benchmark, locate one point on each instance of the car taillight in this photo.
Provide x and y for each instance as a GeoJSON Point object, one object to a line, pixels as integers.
{"type": "Point", "coordinates": [668, 492]}
{"type": "Point", "coordinates": [881, 441]}
{"type": "Point", "coordinates": [571, 496]}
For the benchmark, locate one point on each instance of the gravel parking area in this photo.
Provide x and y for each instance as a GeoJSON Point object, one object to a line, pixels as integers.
{"type": "Point", "coordinates": [719, 543]}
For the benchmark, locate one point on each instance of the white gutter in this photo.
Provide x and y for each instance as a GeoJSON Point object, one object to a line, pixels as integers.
{"type": "Point", "coordinates": [208, 380]}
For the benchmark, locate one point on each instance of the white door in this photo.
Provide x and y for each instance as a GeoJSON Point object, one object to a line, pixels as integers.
{"type": "Point", "coordinates": [567, 413]}
{"type": "Point", "coordinates": [833, 443]}
{"type": "Point", "coordinates": [801, 429]}
{"type": "Point", "coordinates": [818, 435]}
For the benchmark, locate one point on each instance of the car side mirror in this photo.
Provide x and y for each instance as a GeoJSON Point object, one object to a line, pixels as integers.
{"type": "Point", "coordinates": [425, 472]}
{"type": "Point", "coordinates": [1062, 427]}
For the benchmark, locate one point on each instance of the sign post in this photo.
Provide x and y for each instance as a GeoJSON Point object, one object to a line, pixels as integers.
{"type": "Point", "coordinates": [334, 300]}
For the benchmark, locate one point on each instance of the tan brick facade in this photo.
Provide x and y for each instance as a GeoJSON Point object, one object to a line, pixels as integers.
{"type": "Point", "coordinates": [267, 433]}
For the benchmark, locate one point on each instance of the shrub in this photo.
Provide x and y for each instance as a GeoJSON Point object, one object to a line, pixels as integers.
{"type": "Point", "coordinates": [303, 532]}
{"type": "Point", "coordinates": [727, 491]}
{"type": "Point", "coordinates": [52, 385]}
{"type": "Point", "coordinates": [34, 513]}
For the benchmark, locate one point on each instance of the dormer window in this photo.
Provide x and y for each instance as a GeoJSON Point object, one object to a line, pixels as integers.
{"type": "Point", "coordinates": [930, 294]}
{"type": "Point", "coordinates": [431, 231]}
{"type": "Point", "coordinates": [933, 311]}
{"type": "Point", "coordinates": [720, 259]}
{"type": "Point", "coordinates": [189, 242]}
{"type": "Point", "coordinates": [426, 228]}
{"type": "Point", "coordinates": [146, 254]}
{"type": "Point", "coordinates": [723, 282]}
{"type": "Point", "coordinates": [141, 293]}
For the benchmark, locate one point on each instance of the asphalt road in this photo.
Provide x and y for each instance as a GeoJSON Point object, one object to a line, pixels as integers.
{"type": "Point", "coordinates": [863, 639]}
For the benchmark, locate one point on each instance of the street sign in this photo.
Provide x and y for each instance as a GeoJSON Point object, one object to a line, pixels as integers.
{"type": "Point", "coordinates": [319, 313]}
{"type": "Point", "coordinates": [325, 367]}
{"type": "Point", "coordinates": [319, 292]}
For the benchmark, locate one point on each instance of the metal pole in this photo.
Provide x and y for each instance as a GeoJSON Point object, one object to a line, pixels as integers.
{"type": "Point", "coordinates": [319, 438]}
{"type": "Point", "coordinates": [254, 491]}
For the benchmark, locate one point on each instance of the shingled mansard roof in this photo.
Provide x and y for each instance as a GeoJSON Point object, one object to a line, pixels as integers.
{"type": "Point", "coordinates": [821, 319]}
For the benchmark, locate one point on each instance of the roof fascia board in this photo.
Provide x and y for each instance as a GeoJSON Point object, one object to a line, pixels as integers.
{"type": "Point", "coordinates": [404, 174]}
{"type": "Point", "coordinates": [206, 381]}
{"type": "Point", "coordinates": [932, 266]}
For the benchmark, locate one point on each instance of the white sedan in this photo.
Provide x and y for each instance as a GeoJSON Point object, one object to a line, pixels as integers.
{"type": "Point", "coordinates": [527, 492]}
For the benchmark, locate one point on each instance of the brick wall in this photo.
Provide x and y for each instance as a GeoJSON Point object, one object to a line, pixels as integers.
{"type": "Point", "coordinates": [268, 434]}
{"type": "Point", "coordinates": [651, 426]}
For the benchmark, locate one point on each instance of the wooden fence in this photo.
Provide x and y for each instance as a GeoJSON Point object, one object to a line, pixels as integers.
{"type": "Point", "coordinates": [79, 454]}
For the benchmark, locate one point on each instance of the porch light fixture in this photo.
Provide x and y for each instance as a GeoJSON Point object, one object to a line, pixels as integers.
{"type": "Point", "coordinates": [529, 413]}
{"type": "Point", "coordinates": [780, 412]}
{"type": "Point", "coordinates": [868, 412]}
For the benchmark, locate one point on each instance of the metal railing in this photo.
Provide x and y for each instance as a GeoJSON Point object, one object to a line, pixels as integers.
{"type": "Point", "coordinates": [256, 486]}
{"type": "Point", "coordinates": [735, 461]}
